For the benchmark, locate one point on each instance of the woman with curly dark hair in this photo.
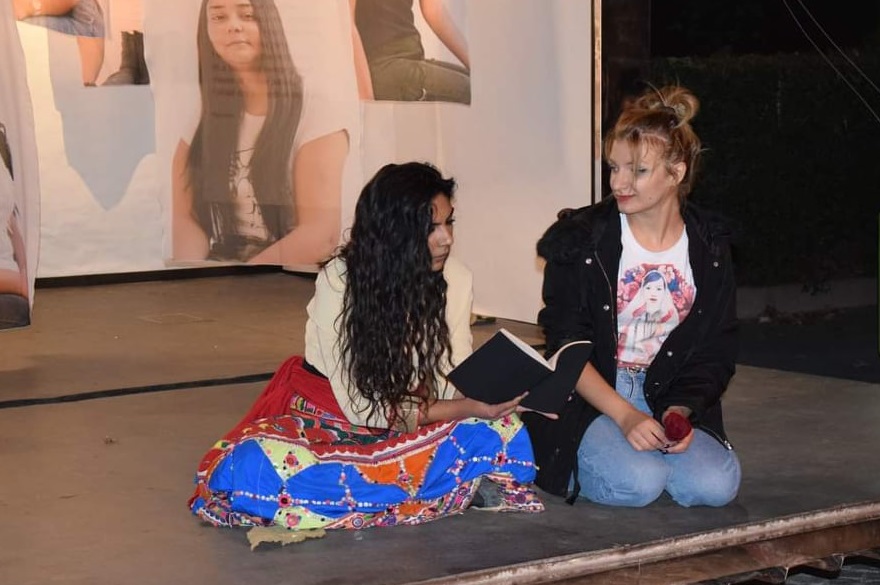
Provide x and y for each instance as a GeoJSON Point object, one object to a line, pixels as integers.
{"type": "Point", "coordinates": [366, 422]}
{"type": "Point", "coordinates": [395, 330]}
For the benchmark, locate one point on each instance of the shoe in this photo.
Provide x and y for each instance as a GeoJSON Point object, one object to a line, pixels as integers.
{"type": "Point", "coordinates": [132, 67]}
{"type": "Point", "coordinates": [489, 497]}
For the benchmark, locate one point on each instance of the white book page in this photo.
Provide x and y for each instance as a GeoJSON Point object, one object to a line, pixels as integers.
{"type": "Point", "coordinates": [555, 357]}
{"type": "Point", "coordinates": [535, 354]}
{"type": "Point", "coordinates": [526, 348]}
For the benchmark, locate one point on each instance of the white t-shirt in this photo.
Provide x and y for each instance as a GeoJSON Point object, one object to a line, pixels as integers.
{"type": "Point", "coordinates": [318, 36]}
{"type": "Point", "coordinates": [316, 120]}
{"type": "Point", "coordinates": [655, 292]}
{"type": "Point", "coordinates": [322, 333]}
{"type": "Point", "coordinates": [314, 32]}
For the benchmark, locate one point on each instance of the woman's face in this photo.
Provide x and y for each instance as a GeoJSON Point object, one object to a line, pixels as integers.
{"type": "Point", "coordinates": [440, 239]}
{"type": "Point", "coordinates": [653, 295]}
{"type": "Point", "coordinates": [234, 33]}
{"type": "Point", "coordinates": [642, 186]}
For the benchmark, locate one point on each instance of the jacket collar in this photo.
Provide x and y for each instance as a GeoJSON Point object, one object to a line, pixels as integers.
{"type": "Point", "coordinates": [577, 232]}
{"type": "Point", "coordinates": [580, 232]}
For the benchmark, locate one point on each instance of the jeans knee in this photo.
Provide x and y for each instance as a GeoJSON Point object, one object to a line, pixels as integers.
{"type": "Point", "coordinates": [715, 490]}
{"type": "Point", "coordinates": [635, 489]}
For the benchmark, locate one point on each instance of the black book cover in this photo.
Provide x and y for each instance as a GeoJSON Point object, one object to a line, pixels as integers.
{"type": "Point", "coordinates": [506, 366]}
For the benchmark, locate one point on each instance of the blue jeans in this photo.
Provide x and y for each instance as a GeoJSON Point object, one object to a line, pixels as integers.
{"type": "Point", "coordinates": [85, 19]}
{"type": "Point", "coordinates": [611, 472]}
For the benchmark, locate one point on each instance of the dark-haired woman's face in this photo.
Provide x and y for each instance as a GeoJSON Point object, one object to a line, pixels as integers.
{"type": "Point", "coordinates": [654, 292]}
{"type": "Point", "coordinates": [440, 239]}
{"type": "Point", "coordinates": [234, 33]}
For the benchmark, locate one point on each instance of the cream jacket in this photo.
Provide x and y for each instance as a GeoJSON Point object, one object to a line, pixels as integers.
{"type": "Point", "coordinates": [323, 335]}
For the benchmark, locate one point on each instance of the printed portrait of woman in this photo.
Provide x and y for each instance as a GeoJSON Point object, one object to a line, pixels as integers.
{"type": "Point", "coordinates": [259, 178]}
{"type": "Point", "coordinates": [647, 318]}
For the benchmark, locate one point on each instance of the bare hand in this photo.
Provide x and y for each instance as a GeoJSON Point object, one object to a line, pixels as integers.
{"type": "Point", "coordinates": [681, 445]}
{"type": "Point", "coordinates": [494, 411]}
{"type": "Point", "coordinates": [643, 432]}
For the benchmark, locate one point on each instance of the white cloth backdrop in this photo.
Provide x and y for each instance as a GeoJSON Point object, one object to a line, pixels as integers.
{"type": "Point", "coordinates": [520, 152]}
{"type": "Point", "coordinates": [100, 199]}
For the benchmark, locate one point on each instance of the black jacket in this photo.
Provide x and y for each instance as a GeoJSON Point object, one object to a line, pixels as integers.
{"type": "Point", "coordinates": [694, 365]}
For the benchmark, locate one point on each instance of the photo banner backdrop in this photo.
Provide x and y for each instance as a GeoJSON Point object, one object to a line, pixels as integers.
{"type": "Point", "coordinates": [411, 51]}
{"type": "Point", "coordinates": [95, 130]}
{"type": "Point", "coordinates": [520, 152]}
{"type": "Point", "coordinates": [19, 182]}
{"type": "Point", "coordinates": [148, 169]}
{"type": "Point", "coordinates": [258, 115]}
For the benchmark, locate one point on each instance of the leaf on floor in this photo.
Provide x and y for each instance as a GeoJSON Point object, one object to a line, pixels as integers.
{"type": "Point", "coordinates": [260, 534]}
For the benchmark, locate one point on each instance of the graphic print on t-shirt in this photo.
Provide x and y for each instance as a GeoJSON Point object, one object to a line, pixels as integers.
{"type": "Point", "coordinates": [652, 299]}
{"type": "Point", "coordinates": [248, 215]}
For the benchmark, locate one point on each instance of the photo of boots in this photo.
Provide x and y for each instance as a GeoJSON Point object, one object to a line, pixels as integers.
{"type": "Point", "coordinates": [133, 66]}
{"type": "Point", "coordinates": [83, 19]}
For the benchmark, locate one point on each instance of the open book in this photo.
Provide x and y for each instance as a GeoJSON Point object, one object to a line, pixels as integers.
{"type": "Point", "coordinates": [506, 366]}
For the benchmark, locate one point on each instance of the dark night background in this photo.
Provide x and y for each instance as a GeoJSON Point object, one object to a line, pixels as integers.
{"type": "Point", "coordinates": [746, 35]}
{"type": "Point", "coordinates": [704, 27]}
{"type": "Point", "coordinates": [838, 343]}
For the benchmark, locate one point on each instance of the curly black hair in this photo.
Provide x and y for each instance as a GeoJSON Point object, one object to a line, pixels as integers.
{"type": "Point", "coordinates": [393, 321]}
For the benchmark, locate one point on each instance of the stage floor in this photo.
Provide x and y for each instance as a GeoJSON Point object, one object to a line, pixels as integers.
{"type": "Point", "coordinates": [110, 399]}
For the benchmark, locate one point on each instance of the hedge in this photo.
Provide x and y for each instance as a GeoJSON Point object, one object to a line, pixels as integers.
{"type": "Point", "coordinates": [793, 157]}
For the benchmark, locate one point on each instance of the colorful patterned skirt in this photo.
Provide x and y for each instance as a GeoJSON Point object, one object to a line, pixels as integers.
{"type": "Point", "coordinates": [309, 469]}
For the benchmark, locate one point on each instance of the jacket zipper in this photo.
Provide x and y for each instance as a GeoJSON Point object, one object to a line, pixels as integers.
{"type": "Point", "coordinates": [611, 300]}
{"type": "Point", "coordinates": [718, 438]}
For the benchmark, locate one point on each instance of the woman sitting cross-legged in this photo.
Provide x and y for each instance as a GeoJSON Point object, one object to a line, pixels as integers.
{"type": "Point", "coordinates": [365, 430]}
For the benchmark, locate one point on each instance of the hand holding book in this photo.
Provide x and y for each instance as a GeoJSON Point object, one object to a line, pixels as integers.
{"type": "Point", "coordinates": [505, 367]}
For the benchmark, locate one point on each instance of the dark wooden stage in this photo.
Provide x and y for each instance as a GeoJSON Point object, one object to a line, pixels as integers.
{"type": "Point", "coordinates": [109, 400]}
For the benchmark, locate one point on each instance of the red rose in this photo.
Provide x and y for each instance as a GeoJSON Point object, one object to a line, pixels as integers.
{"type": "Point", "coordinates": [676, 426]}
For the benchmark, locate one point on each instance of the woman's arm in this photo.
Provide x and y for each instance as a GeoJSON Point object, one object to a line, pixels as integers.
{"type": "Point", "coordinates": [444, 27]}
{"type": "Point", "coordinates": [361, 66]}
{"type": "Point", "coordinates": [643, 432]}
{"type": "Point", "coordinates": [188, 240]}
{"type": "Point", "coordinates": [27, 8]}
{"type": "Point", "coordinates": [459, 408]}
{"type": "Point", "coordinates": [317, 180]}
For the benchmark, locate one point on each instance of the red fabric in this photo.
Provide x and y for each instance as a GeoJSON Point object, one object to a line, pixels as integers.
{"type": "Point", "coordinates": [291, 379]}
